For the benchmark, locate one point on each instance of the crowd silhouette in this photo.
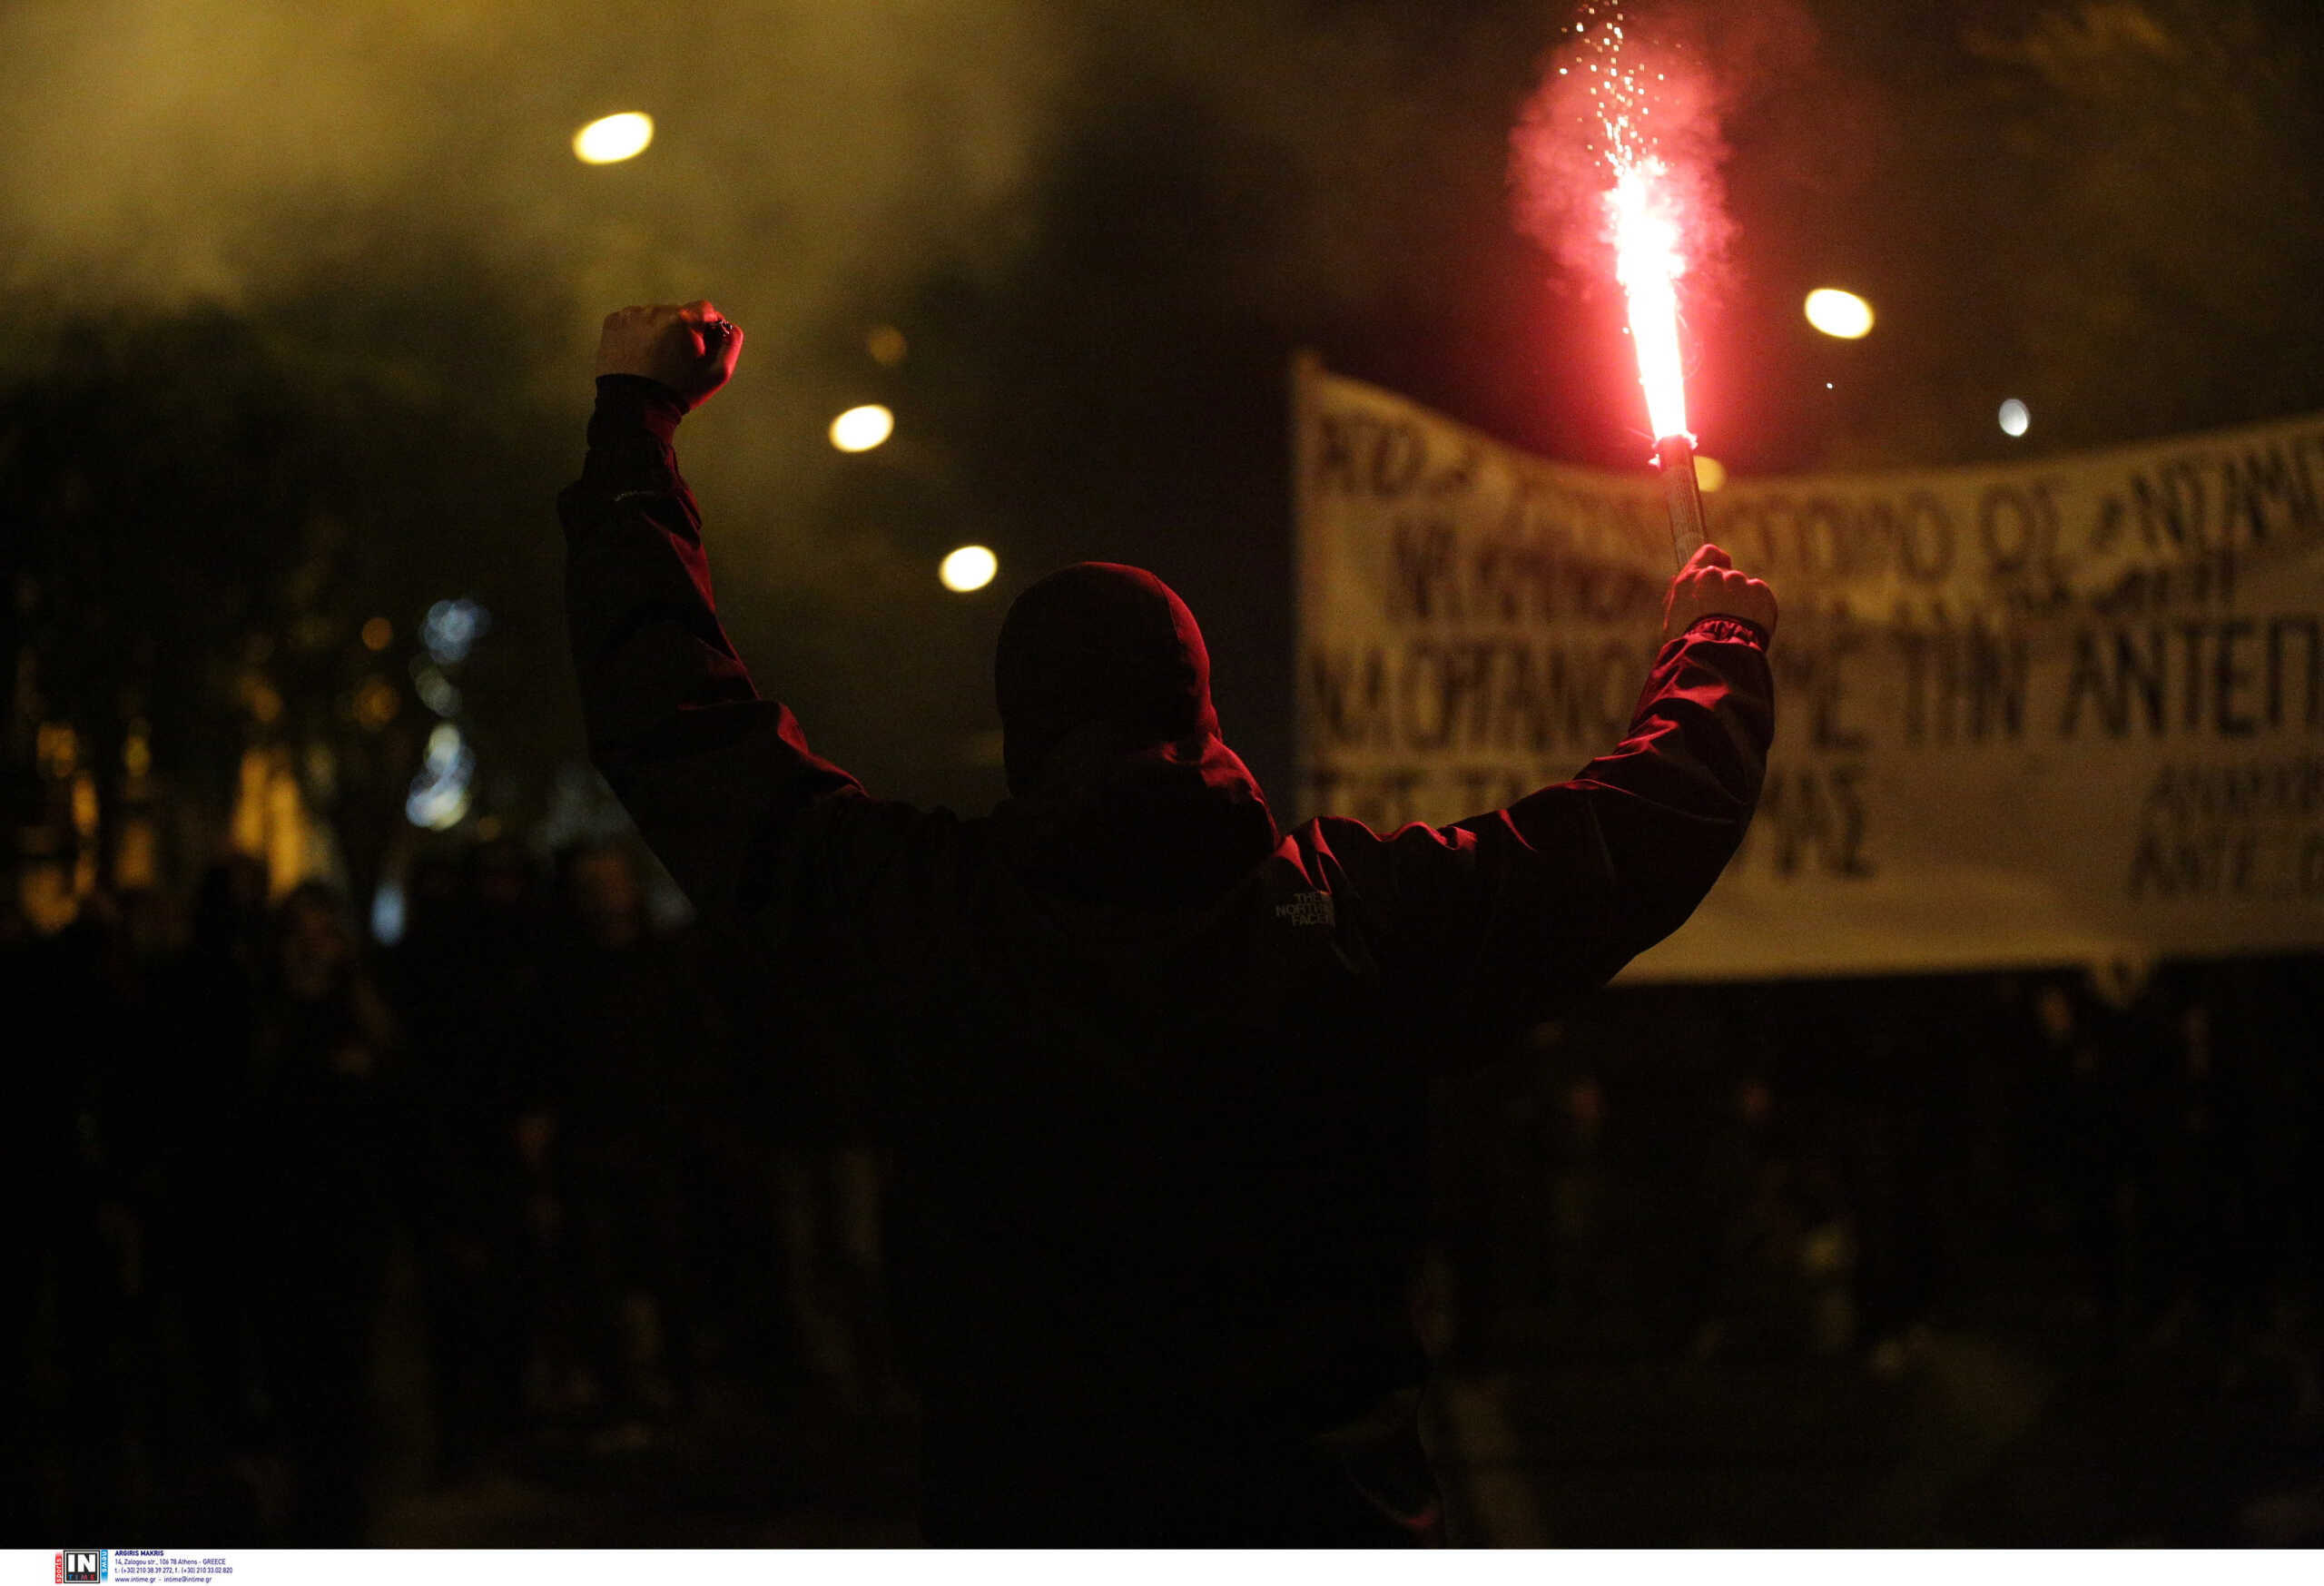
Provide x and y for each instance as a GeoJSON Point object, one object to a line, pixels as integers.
{"type": "Point", "coordinates": [310, 1220]}
{"type": "Point", "coordinates": [306, 1222]}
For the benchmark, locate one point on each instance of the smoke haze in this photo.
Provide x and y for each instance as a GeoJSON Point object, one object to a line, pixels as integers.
{"type": "Point", "coordinates": [815, 166]}
{"type": "Point", "coordinates": [162, 150]}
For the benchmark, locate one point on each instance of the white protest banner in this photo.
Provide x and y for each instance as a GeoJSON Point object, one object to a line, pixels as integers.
{"type": "Point", "coordinates": [2071, 711]}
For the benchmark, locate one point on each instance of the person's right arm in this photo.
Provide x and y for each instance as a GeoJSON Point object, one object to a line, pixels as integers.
{"type": "Point", "coordinates": [720, 781]}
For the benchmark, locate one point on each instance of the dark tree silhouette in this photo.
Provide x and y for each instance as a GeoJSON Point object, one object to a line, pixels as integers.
{"type": "Point", "coordinates": [203, 509]}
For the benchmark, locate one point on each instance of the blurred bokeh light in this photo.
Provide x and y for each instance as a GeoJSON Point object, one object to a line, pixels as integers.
{"type": "Point", "coordinates": [1838, 313]}
{"type": "Point", "coordinates": [376, 704]}
{"type": "Point", "coordinates": [970, 567]}
{"type": "Point", "coordinates": [2016, 417]}
{"type": "Point", "coordinates": [440, 793]}
{"type": "Point", "coordinates": [451, 627]}
{"type": "Point", "coordinates": [886, 344]}
{"type": "Point", "coordinates": [613, 138]}
{"type": "Point", "coordinates": [862, 428]}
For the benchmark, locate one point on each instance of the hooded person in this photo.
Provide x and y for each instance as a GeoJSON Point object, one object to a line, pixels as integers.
{"type": "Point", "coordinates": [1108, 729]}
{"type": "Point", "coordinates": [1155, 1070]}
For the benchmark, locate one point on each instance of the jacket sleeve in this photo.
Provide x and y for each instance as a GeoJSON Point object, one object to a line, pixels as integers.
{"type": "Point", "coordinates": [1501, 920]}
{"type": "Point", "coordinates": [720, 783]}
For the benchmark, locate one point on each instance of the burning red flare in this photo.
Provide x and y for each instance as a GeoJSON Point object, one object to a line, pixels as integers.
{"type": "Point", "coordinates": [1648, 263]}
{"type": "Point", "coordinates": [1646, 218]}
{"type": "Point", "coordinates": [1645, 221]}
{"type": "Point", "coordinates": [1620, 147]}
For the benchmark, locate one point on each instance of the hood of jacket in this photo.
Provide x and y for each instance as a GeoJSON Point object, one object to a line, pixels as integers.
{"type": "Point", "coordinates": [1120, 788]}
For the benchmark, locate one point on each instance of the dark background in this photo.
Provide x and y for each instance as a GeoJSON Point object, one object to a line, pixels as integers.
{"type": "Point", "coordinates": [299, 305]}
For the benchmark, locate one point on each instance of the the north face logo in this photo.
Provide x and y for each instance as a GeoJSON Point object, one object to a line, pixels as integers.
{"type": "Point", "coordinates": [1306, 909]}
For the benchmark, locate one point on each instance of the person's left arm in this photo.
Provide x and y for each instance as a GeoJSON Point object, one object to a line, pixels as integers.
{"type": "Point", "coordinates": [1510, 916]}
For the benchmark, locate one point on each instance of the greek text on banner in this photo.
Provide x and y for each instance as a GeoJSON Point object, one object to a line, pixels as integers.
{"type": "Point", "coordinates": [2070, 710]}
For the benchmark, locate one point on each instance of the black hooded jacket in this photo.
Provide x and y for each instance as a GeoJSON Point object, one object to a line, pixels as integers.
{"type": "Point", "coordinates": [1156, 1070]}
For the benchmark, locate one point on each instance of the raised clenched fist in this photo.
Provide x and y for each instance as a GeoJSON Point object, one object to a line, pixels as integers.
{"type": "Point", "coordinates": [681, 345]}
{"type": "Point", "coordinates": [1708, 585]}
